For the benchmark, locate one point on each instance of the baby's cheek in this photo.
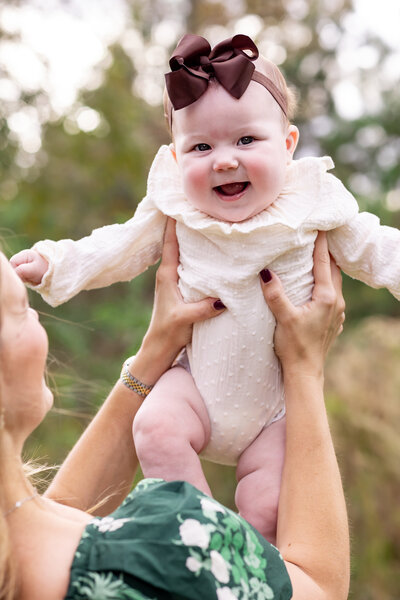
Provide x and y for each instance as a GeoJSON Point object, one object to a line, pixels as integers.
{"type": "Point", "coordinates": [194, 175]}
{"type": "Point", "coordinates": [193, 182]}
{"type": "Point", "coordinates": [274, 180]}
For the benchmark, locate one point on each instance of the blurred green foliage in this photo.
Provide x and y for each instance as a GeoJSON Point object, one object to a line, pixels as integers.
{"type": "Point", "coordinates": [79, 181]}
{"type": "Point", "coordinates": [363, 389]}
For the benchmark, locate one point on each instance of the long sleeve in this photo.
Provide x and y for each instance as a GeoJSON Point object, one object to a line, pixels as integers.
{"type": "Point", "coordinates": [368, 251]}
{"type": "Point", "coordinates": [112, 253]}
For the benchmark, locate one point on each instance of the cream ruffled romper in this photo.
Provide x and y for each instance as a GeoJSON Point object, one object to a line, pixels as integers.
{"type": "Point", "coordinates": [232, 357]}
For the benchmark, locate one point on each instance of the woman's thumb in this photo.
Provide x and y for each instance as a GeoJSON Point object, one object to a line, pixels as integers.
{"type": "Point", "coordinates": [204, 309]}
{"type": "Point", "coordinates": [274, 294]}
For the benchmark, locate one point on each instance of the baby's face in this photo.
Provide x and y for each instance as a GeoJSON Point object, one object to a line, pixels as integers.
{"type": "Point", "coordinates": [232, 153]}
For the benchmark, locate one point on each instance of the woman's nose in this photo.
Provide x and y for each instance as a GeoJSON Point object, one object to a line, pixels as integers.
{"type": "Point", "coordinates": [225, 162]}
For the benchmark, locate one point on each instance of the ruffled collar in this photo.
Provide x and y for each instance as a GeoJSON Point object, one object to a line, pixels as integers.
{"type": "Point", "coordinates": [298, 198]}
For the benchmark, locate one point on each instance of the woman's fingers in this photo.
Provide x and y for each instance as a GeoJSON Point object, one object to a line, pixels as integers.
{"type": "Point", "coordinates": [171, 313]}
{"type": "Point", "coordinates": [328, 286]}
{"type": "Point", "coordinates": [170, 251]}
{"type": "Point", "coordinates": [323, 286]}
{"type": "Point", "coordinates": [274, 294]}
{"type": "Point", "coordinates": [336, 275]}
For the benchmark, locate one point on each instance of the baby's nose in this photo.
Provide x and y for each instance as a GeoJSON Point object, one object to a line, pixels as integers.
{"type": "Point", "coordinates": [225, 162]}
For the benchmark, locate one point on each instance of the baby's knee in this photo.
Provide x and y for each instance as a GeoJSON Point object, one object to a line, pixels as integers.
{"type": "Point", "coordinates": [257, 502]}
{"type": "Point", "coordinates": [255, 497]}
{"type": "Point", "coordinates": [152, 431]}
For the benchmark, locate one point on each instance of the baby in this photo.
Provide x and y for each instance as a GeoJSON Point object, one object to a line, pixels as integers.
{"type": "Point", "coordinates": [241, 204]}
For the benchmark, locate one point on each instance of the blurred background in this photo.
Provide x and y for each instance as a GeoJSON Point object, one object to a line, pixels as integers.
{"type": "Point", "coordinates": [80, 120]}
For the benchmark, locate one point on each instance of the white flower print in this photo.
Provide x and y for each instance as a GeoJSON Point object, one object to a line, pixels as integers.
{"type": "Point", "coordinates": [225, 594]}
{"type": "Point", "coordinates": [108, 524]}
{"type": "Point", "coordinates": [262, 590]}
{"type": "Point", "coordinates": [219, 567]}
{"type": "Point", "coordinates": [193, 533]}
{"type": "Point", "coordinates": [193, 564]}
{"type": "Point", "coordinates": [210, 505]}
{"type": "Point", "coordinates": [252, 560]}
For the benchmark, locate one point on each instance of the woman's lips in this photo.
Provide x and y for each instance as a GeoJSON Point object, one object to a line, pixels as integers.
{"type": "Point", "coordinates": [231, 191]}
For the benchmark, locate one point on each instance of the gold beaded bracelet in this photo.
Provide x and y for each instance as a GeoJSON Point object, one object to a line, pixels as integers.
{"type": "Point", "coordinates": [132, 383]}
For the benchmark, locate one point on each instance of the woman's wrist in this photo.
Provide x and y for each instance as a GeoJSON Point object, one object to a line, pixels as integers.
{"type": "Point", "coordinates": [302, 371]}
{"type": "Point", "coordinates": [152, 360]}
{"type": "Point", "coordinates": [301, 359]}
{"type": "Point", "coordinates": [298, 378]}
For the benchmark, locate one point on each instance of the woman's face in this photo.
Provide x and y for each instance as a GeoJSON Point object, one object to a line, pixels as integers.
{"type": "Point", "coordinates": [23, 353]}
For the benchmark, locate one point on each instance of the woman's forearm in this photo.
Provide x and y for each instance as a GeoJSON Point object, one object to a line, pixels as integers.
{"type": "Point", "coordinates": [103, 462]}
{"type": "Point", "coordinates": [312, 532]}
{"type": "Point", "coordinates": [312, 523]}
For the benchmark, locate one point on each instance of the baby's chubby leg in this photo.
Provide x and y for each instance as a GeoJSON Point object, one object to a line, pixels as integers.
{"type": "Point", "coordinates": [171, 428]}
{"type": "Point", "coordinates": [259, 473]}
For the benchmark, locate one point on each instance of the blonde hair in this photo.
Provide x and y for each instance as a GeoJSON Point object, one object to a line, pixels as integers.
{"type": "Point", "coordinates": [264, 66]}
{"type": "Point", "coordinates": [272, 71]}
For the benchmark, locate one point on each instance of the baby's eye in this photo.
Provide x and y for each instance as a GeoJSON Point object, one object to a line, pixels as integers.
{"type": "Point", "coordinates": [202, 147]}
{"type": "Point", "coordinates": [246, 139]}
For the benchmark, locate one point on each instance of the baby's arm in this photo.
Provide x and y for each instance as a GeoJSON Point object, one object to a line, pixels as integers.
{"type": "Point", "coordinates": [368, 251]}
{"type": "Point", "coordinates": [119, 252]}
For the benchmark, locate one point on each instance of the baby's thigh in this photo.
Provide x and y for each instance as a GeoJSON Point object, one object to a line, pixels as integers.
{"type": "Point", "coordinates": [175, 407]}
{"type": "Point", "coordinates": [261, 463]}
{"type": "Point", "coordinates": [259, 473]}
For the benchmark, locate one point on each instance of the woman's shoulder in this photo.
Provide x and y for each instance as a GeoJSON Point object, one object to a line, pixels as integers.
{"type": "Point", "coordinates": [171, 538]}
{"type": "Point", "coordinates": [47, 554]}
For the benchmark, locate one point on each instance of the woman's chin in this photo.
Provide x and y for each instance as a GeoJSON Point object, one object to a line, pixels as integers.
{"type": "Point", "coordinates": [47, 396]}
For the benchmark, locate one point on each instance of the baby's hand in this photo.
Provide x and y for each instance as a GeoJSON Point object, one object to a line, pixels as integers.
{"type": "Point", "coordinates": [30, 266]}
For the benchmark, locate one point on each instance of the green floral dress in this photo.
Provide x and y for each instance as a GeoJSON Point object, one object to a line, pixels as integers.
{"type": "Point", "coordinates": [170, 541]}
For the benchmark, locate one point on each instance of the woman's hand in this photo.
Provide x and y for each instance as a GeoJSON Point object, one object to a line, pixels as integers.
{"type": "Point", "coordinates": [304, 333]}
{"type": "Point", "coordinates": [172, 320]}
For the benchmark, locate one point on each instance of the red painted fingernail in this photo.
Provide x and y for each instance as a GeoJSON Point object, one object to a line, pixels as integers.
{"type": "Point", "coordinates": [218, 305]}
{"type": "Point", "coordinates": [266, 275]}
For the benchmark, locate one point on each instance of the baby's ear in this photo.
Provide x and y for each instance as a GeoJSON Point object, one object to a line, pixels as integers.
{"type": "Point", "coordinates": [292, 139]}
{"type": "Point", "coordinates": [173, 151]}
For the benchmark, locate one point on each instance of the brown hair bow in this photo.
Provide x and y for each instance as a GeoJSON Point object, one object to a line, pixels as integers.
{"type": "Point", "coordinates": [193, 64]}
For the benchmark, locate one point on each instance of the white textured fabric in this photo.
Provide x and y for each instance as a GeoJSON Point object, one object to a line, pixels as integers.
{"type": "Point", "coordinates": [231, 357]}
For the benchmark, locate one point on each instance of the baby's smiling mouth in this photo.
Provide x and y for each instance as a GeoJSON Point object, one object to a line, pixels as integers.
{"type": "Point", "coordinates": [232, 189]}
